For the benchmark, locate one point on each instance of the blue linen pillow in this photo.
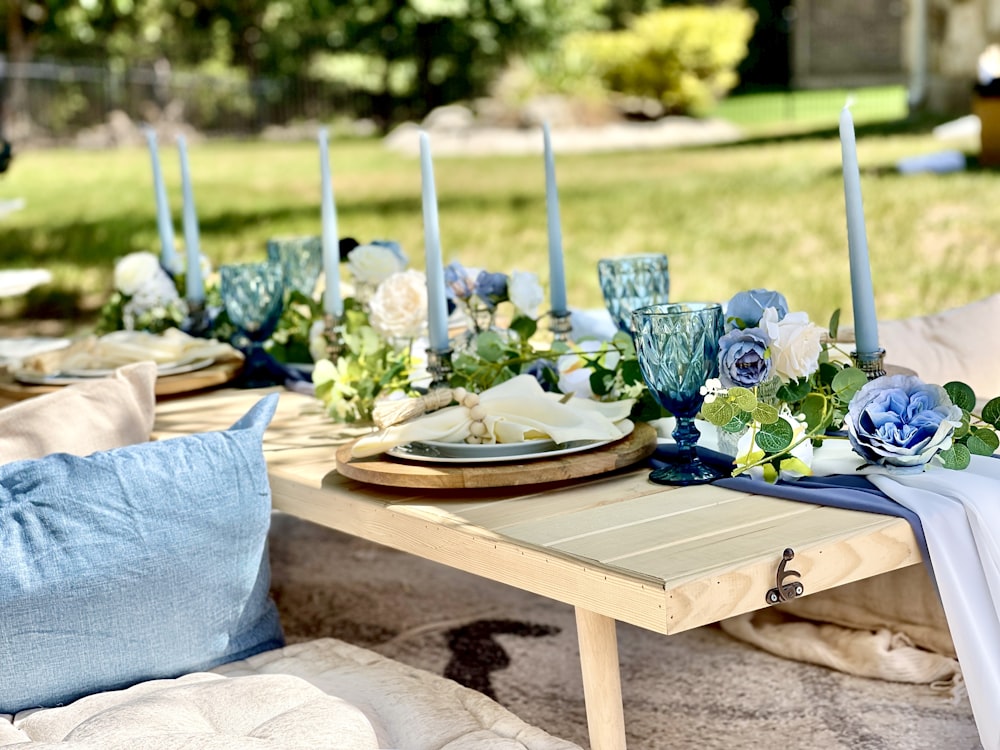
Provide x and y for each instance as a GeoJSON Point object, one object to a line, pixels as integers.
{"type": "Point", "coordinates": [136, 563]}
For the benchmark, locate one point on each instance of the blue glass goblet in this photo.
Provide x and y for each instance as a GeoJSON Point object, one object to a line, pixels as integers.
{"type": "Point", "coordinates": [252, 295]}
{"type": "Point", "coordinates": [631, 282]}
{"type": "Point", "coordinates": [301, 260]}
{"type": "Point", "coordinates": [678, 350]}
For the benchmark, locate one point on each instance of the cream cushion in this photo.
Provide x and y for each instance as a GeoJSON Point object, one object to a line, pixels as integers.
{"type": "Point", "coordinates": [320, 694]}
{"type": "Point", "coordinates": [82, 418]}
{"type": "Point", "coordinates": [956, 344]}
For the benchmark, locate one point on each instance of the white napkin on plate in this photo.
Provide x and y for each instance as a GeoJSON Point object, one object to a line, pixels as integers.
{"type": "Point", "coordinates": [516, 410]}
{"type": "Point", "coordinates": [118, 348]}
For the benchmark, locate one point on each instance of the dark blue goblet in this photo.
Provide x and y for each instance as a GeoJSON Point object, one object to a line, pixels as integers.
{"type": "Point", "coordinates": [631, 282]}
{"type": "Point", "coordinates": [678, 350]}
{"type": "Point", "coordinates": [252, 294]}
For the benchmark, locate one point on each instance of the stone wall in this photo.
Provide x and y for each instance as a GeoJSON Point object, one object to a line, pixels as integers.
{"type": "Point", "coordinates": [866, 42]}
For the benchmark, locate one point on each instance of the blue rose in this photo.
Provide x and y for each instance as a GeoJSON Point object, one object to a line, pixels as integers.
{"type": "Point", "coordinates": [459, 283]}
{"type": "Point", "coordinates": [744, 358]}
{"type": "Point", "coordinates": [746, 308]}
{"type": "Point", "coordinates": [901, 422]}
{"type": "Point", "coordinates": [491, 288]}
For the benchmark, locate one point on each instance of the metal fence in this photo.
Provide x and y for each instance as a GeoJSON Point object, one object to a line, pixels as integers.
{"type": "Point", "coordinates": [50, 100]}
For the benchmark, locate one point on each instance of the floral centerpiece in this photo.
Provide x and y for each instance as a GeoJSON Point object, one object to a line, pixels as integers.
{"type": "Point", "coordinates": [145, 296]}
{"type": "Point", "coordinates": [784, 387]}
{"type": "Point", "coordinates": [383, 349]}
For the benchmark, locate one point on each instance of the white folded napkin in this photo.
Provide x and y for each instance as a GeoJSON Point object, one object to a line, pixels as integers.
{"type": "Point", "coordinates": [118, 348]}
{"type": "Point", "coordinates": [513, 411]}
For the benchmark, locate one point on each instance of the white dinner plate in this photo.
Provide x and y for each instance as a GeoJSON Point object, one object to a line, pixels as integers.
{"type": "Point", "coordinates": [430, 451]}
{"type": "Point", "coordinates": [70, 376]}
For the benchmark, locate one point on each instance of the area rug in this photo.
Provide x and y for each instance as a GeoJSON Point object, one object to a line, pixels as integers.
{"type": "Point", "coordinates": [699, 689]}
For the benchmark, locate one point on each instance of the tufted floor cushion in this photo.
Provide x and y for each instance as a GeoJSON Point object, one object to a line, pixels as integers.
{"type": "Point", "coordinates": [320, 694]}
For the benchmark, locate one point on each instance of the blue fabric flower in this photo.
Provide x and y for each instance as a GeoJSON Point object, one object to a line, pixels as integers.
{"type": "Point", "coordinates": [459, 283]}
{"type": "Point", "coordinates": [901, 422]}
{"type": "Point", "coordinates": [491, 288]}
{"type": "Point", "coordinates": [745, 309]}
{"type": "Point", "coordinates": [744, 358]}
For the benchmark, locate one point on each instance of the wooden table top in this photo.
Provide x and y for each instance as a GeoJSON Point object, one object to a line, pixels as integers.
{"type": "Point", "coordinates": [666, 559]}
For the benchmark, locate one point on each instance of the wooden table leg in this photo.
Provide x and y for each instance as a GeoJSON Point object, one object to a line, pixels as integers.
{"type": "Point", "coordinates": [602, 682]}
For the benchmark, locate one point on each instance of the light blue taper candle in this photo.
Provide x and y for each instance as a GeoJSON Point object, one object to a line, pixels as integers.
{"type": "Point", "coordinates": [437, 305]}
{"type": "Point", "coordinates": [332, 302]}
{"type": "Point", "coordinates": [164, 222]}
{"type": "Point", "coordinates": [557, 276]}
{"type": "Point", "coordinates": [862, 294]}
{"type": "Point", "coordinates": [195, 286]}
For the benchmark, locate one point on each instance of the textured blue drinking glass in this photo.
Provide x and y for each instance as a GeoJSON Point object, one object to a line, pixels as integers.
{"type": "Point", "coordinates": [301, 260]}
{"type": "Point", "coordinates": [252, 294]}
{"type": "Point", "coordinates": [631, 282]}
{"type": "Point", "coordinates": [678, 350]}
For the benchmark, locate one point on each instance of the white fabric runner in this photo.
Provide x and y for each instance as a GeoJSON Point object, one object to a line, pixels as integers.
{"type": "Point", "coordinates": [960, 514]}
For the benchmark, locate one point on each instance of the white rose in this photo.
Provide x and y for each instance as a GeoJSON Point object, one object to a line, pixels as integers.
{"type": "Point", "coordinates": [796, 343]}
{"type": "Point", "coordinates": [525, 292]}
{"type": "Point", "coordinates": [398, 309]}
{"type": "Point", "coordinates": [373, 264]}
{"type": "Point", "coordinates": [135, 270]}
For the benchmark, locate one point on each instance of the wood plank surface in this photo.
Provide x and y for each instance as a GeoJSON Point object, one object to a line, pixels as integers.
{"type": "Point", "coordinates": [667, 559]}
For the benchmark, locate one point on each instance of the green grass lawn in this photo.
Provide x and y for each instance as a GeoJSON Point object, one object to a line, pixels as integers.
{"type": "Point", "coordinates": [767, 212]}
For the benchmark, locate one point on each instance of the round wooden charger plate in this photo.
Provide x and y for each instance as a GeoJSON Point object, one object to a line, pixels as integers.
{"type": "Point", "coordinates": [390, 472]}
{"type": "Point", "coordinates": [168, 385]}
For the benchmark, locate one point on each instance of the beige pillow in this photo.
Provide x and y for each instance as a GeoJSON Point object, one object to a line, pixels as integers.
{"type": "Point", "coordinates": [955, 344]}
{"type": "Point", "coordinates": [82, 418]}
{"type": "Point", "coordinates": [904, 601]}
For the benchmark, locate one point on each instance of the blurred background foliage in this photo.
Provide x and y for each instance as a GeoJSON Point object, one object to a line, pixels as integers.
{"type": "Point", "coordinates": [398, 59]}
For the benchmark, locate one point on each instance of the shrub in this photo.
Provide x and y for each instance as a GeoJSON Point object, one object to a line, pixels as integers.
{"type": "Point", "coordinates": [684, 57]}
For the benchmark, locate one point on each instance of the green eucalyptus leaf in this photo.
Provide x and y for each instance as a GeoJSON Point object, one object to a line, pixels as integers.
{"type": "Point", "coordinates": [956, 457]}
{"type": "Point", "coordinates": [826, 373]}
{"type": "Point", "coordinates": [794, 391]}
{"type": "Point", "coordinates": [490, 346]}
{"type": "Point", "coordinates": [991, 412]}
{"type": "Point", "coordinates": [961, 395]}
{"type": "Point", "coordinates": [815, 409]}
{"type": "Point", "coordinates": [775, 437]}
{"type": "Point", "coordinates": [834, 328]}
{"type": "Point", "coordinates": [737, 424]}
{"type": "Point", "coordinates": [719, 412]}
{"type": "Point", "coordinates": [631, 372]}
{"type": "Point", "coordinates": [744, 398]}
{"type": "Point", "coordinates": [963, 429]}
{"type": "Point", "coordinates": [524, 326]}
{"type": "Point", "coordinates": [982, 442]}
{"type": "Point", "coordinates": [765, 413]}
{"type": "Point", "coordinates": [847, 382]}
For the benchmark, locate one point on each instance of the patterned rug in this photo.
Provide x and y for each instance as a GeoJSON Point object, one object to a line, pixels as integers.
{"type": "Point", "coordinates": [699, 689]}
